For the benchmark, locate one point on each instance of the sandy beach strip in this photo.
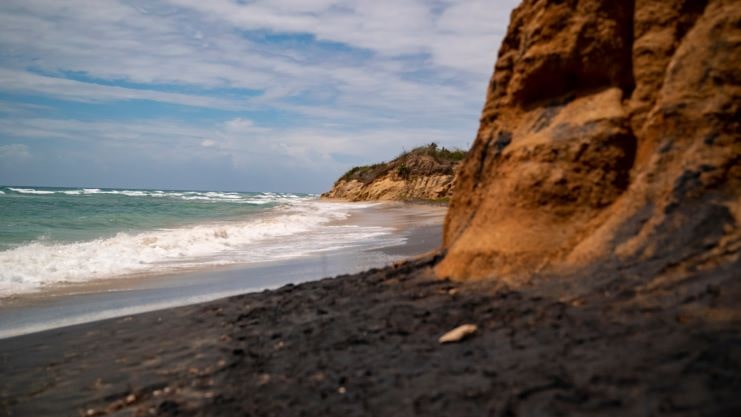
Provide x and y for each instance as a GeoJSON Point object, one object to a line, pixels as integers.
{"type": "Point", "coordinates": [418, 227]}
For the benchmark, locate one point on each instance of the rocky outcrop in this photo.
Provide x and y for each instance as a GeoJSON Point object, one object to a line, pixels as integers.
{"type": "Point", "coordinates": [393, 187]}
{"type": "Point", "coordinates": [426, 173]}
{"type": "Point", "coordinates": [610, 136]}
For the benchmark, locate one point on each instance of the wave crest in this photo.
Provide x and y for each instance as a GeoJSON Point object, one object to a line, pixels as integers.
{"type": "Point", "coordinates": [225, 196]}
{"type": "Point", "coordinates": [287, 232]}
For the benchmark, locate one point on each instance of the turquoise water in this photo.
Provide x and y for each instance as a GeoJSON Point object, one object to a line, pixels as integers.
{"type": "Point", "coordinates": [49, 214]}
{"type": "Point", "coordinates": [55, 236]}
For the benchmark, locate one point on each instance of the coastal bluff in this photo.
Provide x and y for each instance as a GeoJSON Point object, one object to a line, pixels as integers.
{"type": "Point", "coordinates": [426, 173]}
{"type": "Point", "coordinates": [609, 140]}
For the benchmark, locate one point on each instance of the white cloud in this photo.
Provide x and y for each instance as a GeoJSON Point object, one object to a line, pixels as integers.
{"type": "Point", "coordinates": [172, 139]}
{"type": "Point", "coordinates": [14, 152]}
{"type": "Point", "coordinates": [391, 75]}
{"type": "Point", "coordinates": [239, 124]}
{"type": "Point", "coordinates": [196, 43]}
{"type": "Point", "coordinates": [389, 27]}
{"type": "Point", "coordinates": [9, 107]}
{"type": "Point", "coordinates": [25, 82]}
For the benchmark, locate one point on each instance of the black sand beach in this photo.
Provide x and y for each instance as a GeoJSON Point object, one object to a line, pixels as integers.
{"type": "Point", "coordinates": [367, 345]}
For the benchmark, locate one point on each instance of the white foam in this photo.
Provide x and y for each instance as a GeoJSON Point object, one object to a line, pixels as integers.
{"type": "Point", "coordinates": [289, 231]}
{"type": "Point", "coordinates": [246, 198]}
{"type": "Point", "coordinates": [30, 191]}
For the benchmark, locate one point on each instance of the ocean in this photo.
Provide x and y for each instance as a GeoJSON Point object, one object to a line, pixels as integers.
{"type": "Point", "coordinates": [51, 236]}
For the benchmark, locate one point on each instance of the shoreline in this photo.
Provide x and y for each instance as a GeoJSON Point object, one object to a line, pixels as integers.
{"type": "Point", "coordinates": [367, 344]}
{"type": "Point", "coordinates": [393, 214]}
{"type": "Point", "coordinates": [419, 227]}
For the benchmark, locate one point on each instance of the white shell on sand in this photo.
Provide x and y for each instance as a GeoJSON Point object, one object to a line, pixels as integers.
{"type": "Point", "coordinates": [458, 334]}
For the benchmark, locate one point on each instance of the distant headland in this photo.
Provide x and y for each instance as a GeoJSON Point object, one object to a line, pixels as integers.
{"type": "Point", "coordinates": [426, 173]}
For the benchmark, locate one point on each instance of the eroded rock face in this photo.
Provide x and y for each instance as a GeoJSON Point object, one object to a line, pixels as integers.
{"type": "Point", "coordinates": [392, 187]}
{"type": "Point", "coordinates": [410, 178]}
{"type": "Point", "coordinates": [610, 134]}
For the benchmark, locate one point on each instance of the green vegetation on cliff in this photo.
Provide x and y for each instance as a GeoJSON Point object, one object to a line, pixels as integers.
{"type": "Point", "coordinates": [422, 161]}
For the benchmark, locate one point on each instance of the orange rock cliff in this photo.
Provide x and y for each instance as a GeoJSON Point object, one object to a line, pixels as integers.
{"type": "Point", "coordinates": [610, 136]}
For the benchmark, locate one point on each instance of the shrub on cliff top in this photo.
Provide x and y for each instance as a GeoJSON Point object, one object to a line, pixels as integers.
{"type": "Point", "coordinates": [422, 161]}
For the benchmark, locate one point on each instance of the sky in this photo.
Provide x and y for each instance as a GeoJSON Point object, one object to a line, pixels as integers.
{"type": "Point", "coordinates": [260, 95]}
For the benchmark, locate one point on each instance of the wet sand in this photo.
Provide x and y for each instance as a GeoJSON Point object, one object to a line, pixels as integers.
{"type": "Point", "coordinates": [417, 229]}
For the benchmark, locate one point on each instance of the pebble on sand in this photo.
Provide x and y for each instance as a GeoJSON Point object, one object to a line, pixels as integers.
{"type": "Point", "coordinates": [458, 334]}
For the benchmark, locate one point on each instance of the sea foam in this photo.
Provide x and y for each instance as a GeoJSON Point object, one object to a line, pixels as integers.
{"type": "Point", "coordinates": [30, 191]}
{"type": "Point", "coordinates": [284, 232]}
{"type": "Point", "coordinates": [249, 198]}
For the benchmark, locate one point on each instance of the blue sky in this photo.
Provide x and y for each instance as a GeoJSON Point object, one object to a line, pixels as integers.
{"type": "Point", "coordinates": [264, 95]}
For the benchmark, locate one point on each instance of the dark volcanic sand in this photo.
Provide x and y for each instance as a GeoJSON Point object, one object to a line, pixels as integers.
{"type": "Point", "coordinates": [366, 345]}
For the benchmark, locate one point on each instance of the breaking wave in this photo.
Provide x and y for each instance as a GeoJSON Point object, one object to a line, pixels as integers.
{"type": "Point", "coordinates": [286, 231]}
{"type": "Point", "coordinates": [251, 198]}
